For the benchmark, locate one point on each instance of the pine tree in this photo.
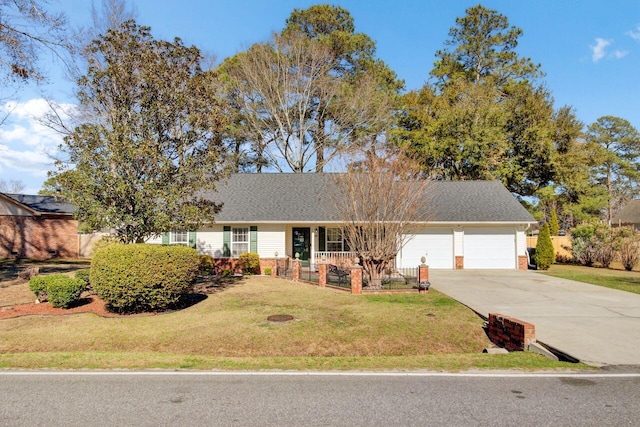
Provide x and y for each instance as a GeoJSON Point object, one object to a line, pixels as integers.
{"type": "Point", "coordinates": [545, 254]}
{"type": "Point", "coordinates": [553, 223]}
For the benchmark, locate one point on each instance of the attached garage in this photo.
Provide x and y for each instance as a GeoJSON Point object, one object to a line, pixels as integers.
{"type": "Point", "coordinates": [490, 247]}
{"type": "Point", "coordinates": [434, 243]}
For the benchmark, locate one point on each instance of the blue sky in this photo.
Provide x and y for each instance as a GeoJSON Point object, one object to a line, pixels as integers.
{"type": "Point", "coordinates": [589, 50]}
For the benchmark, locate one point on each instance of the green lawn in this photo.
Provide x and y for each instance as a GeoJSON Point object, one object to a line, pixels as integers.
{"type": "Point", "coordinates": [616, 279]}
{"type": "Point", "coordinates": [229, 330]}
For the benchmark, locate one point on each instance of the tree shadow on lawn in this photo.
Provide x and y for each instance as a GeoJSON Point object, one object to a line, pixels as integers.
{"type": "Point", "coordinates": [9, 269]}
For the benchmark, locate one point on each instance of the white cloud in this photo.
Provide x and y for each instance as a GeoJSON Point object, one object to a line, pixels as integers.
{"type": "Point", "coordinates": [634, 34]}
{"type": "Point", "coordinates": [619, 54]}
{"type": "Point", "coordinates": [599, 50]}
{"type": "Point", "coordinates": [27, 147]}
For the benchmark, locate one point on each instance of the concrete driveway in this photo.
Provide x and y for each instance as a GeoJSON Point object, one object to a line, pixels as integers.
{"type": "Point", "coordinates": [591, 323]}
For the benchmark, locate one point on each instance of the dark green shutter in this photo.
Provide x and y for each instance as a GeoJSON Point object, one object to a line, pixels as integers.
{"type": "Point", "coordinates": [165, 238]}
{"type": "Point", "coordinates": [226, 240]}
{"type": "Point", "coordinates": [192, 239]}
{"type": "Point", "coordinates": [322, 239]}
{"type": "Point", "coordinates": [253, 239]}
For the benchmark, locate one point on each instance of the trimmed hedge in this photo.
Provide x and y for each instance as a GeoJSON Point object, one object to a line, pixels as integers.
{"type": "Point", "coordinates": [60, 290]}
{"type": "Point", "coordinates": [250, 263]}
{"type": "Point", "coordinates": [141, 277]}
{"type": "Point", "coordinates": [38, 285]}
{"type": "Point", "coordinates": [83, 275]}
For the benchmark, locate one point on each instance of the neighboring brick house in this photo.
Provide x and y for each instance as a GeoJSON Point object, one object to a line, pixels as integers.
{"type": "Point", "coordinates": [37, 227]}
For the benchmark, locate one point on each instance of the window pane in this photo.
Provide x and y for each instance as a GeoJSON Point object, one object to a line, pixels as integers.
{"type": "Point", "coordinates": [239, 241]}
{"type": "Point", "coordinates": [179, 237]}
{"type": "Point", "coordinates": [240, 235]}
{"type": "Point", "coordinates": [239, 249]}
{"type": "Point", "coordinates": [334, 240]}
{"type": "Point", "coordinates": [334, 235]}
{"type": "Point", "coordinates": [334, 247]}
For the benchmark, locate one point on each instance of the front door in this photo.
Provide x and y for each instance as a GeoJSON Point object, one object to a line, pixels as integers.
{"type": "Point", "coordinates": [302, 244]}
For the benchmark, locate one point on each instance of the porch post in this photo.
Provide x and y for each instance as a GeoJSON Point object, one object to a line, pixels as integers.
{"type": "Point", "coordinates": [312, 252]}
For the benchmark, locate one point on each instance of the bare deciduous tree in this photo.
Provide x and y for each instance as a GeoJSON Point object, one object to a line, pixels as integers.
{"type": "Point", "coordinates": [11, 186]}
{"type": "Point", "coordinates": [382, 202]}
{"type": "Point", "coordinates": [302, 115]}
{"type": "Point", "coordinates": [27, 28]}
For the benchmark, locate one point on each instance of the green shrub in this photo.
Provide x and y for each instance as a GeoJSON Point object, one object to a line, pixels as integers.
{"type": "Point", "coordinates": [545, 254]}
{"type": "Point", "coordinates": [60, 290]}
{"type": "Point", "coordinates": [83, 275]}
{"type": "Point", "coordinates": [64, 290]}
{"type": "Point", "coordinates": [226, 272]}
{"type": "Point", "coordinates": [250, 263]}
{"type": "Point", "coordinates": [267, 271]}
{"type": "Point", "coordinates": [554, 228]}
{"type": "Point", "coordinates": [38, 285]}
{"type": "Point", "coordinates": [206, 264]}
{"type": "Point", "coordinates": [583, 247]}
{"type": "Point", "coordinates": [141, 277]}
{"type": "Point", "coordinates": [105, 240]}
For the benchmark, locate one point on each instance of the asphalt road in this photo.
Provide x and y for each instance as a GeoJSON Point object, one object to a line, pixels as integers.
{"type": "Point", "coordinates": [212, 399]}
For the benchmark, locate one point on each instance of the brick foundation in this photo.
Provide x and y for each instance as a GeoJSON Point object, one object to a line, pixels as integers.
{"type": "Point", "coordinates": [459, 263]}
{"type": "Point", "coordinates": [229, 264]}
{"type": "Point", "coordinates": [38, 237]}
{"type": "Point", "coordinates": [510, 333]}
{"type": "Point", "coordinates": [523, 263]}
{"type": "Point", "coordinates": [233, 265]}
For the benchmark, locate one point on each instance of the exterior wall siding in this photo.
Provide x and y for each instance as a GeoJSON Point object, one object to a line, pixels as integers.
{"type": "Point", "coordinates": [38, 237]}
{"type": "Point", "coordinates": [8, 208]}
{"type": "Point", "coordinates": [209, 241]}
{"type": "Point", "coordinates": [271, 239]}
{"type": "Point", "coordinates": [458, 242]}
{"type": "Point", "coordinates": [521, 241]}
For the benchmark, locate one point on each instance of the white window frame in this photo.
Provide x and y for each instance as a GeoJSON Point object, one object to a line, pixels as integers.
{"type": "Point", "coordinates": [334, 243]}
{"type": "Point", "coordinates": [179, 237]}
{"type": "Point", "coordinates": [239, 241]}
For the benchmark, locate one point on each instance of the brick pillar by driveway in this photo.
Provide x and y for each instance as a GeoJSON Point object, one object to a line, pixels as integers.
{"type": "Point", "coordinates": [459, 263]}
{"type": "Point", "coordinates": [322, 275]}
{"type": "Point", "coordinates": [522, 262]}
{"type": "Point", "coordinates": [296, 265]}
{"type": "Point", "coordinates": [356, 280]}
{"type": "Point", "coordinates": [423, 273]}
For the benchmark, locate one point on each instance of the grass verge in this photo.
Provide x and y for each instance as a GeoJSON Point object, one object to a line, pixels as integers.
{"type": "Point", "coordinates": [622, 280]}
{"type": "Point", "coordinates": [229, 330]}
{"type": "Point", "coordinates": [522, 361]}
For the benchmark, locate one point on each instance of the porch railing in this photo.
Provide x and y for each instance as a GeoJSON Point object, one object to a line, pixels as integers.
{"type": "Point", "coordinates": [336, 258]}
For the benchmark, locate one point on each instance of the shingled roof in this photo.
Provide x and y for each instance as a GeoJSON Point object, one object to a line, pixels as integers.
{"type": "Point", "coordinates": [630, 214]}
{"type": "Point", "coordinates": [43, 204]}
{"type": "Point", "coordinates": [282, 197]}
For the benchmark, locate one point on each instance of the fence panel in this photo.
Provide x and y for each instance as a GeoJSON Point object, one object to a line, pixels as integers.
{"type": "Point", "coordinates": [399, 278]}
{"type": "Point", "coordinates": [338, 277]}
{"type": "Point", "coordinates": [310, 274]}
{"type": "Point", "coordinates": [283, 268]}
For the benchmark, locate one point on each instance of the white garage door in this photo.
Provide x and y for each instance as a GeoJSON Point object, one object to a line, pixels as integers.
{"type": "Point", "coordinates": [435, 243]}
{"type": "Point", "coordinates": [490, 248]}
